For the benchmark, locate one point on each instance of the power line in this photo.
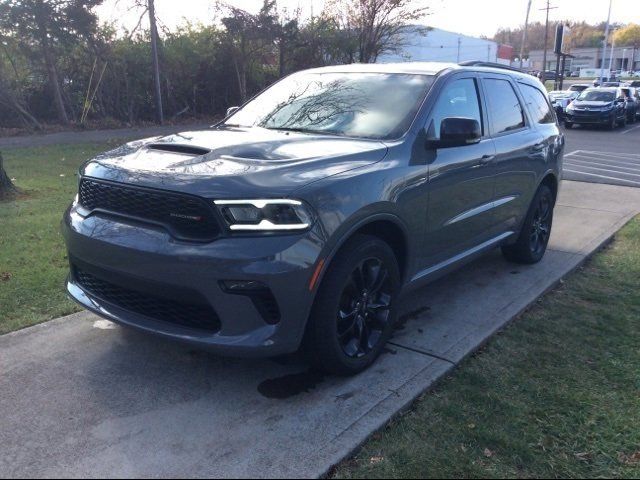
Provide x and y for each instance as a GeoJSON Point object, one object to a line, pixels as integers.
{"type": "Point", "coordinates": [546, 41]}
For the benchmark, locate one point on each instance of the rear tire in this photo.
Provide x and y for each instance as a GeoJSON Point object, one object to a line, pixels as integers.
{"type": "Point", "coordinates": [568, 125]}
{"type": "Point", "coordinates": [623, 122]}
{"type": "Point", "coordinates": [536, 230]}
{"type": "Point", "coordinates": [354, 313]}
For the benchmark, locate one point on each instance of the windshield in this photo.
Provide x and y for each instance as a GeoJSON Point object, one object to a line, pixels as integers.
{"type": "Point", "coordinates": [368, 105]}
{"type": "Point", "coordinates": [597, 96]}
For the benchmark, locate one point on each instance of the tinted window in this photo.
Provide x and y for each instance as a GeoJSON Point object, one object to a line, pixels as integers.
{"type": "Point", "coordinates": [459, 99]}
{"type": "Point", "coordinates": [538, 105]}
{"type": "Point", "coordinates": [504, 107]}
{"type": "Point", "coordinates": [370, 105]}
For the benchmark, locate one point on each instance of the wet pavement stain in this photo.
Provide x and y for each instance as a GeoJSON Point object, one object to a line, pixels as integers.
{"type": "Point", "coordinates": [291, 385]}
{"type": "Point", "coordinates": [345, 396]}
{"type": "Point", "coordinates": [413, 315]}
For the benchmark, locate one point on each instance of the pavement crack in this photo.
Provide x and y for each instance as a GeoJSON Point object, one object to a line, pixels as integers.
{"type": "Point", "coordinates": [423, 352]}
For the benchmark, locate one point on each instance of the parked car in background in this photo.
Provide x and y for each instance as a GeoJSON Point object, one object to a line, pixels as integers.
{"type": "Point", "coordinates": [300, 218]}
{"type": "Point", "coordinates": [579, 87]}
{"type": "Point", "coordinates": [635, 84]}
{"type": "Point", "coordinates": [612, 84]}
{"type": "Point", "coordinates": [635, 92]}
{"type": "Point", "coordinates": [598, 106]}
{"type": "Point", "coordinates": [632, 105]}
{"type": "Point", "coordinates": [561, 99]}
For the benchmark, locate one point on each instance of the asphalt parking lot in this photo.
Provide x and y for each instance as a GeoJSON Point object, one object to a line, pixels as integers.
{"type": "Point", "coordinates": [597, 155]}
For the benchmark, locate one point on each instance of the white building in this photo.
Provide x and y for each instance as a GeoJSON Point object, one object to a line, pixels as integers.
{"type": "Point", "coordinates": [442, 46]}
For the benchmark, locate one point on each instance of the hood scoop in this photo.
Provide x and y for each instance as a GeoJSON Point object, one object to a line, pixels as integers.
{"type": "Point", "coordinates": [179, 149]}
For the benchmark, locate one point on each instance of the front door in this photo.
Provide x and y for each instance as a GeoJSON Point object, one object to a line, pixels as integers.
{"type": "Point", "coordinates": [461, 179]}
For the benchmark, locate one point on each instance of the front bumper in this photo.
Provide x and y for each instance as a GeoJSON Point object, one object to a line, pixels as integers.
{"type": "Point", "coordinates": [153, 262]}
{"type": "Point", "coordinates": [577, 116]}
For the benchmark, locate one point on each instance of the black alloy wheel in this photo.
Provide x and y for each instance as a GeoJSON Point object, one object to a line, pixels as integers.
{"type": "Point", "coordinates": [541, 226]}
{"type": "Point", "coordinates": [365, 308]}
{"type": "Point", "coordinates": [354, 312]}
{"type": "Point", "coordinates": [533, 239]}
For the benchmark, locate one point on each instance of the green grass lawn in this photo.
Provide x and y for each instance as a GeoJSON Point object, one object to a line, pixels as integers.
{"type": "Point", "coordinates": [557, 394]}
{"type": "Point", "coordinates": [33, 262]}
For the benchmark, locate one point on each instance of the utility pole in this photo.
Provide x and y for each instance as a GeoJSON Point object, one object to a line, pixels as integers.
{"type": "Point", "coordinates": [604, 43]}
{"type": "Point", "coordinates": [613, 45]}
{"type": "Point", "coordinates": [156, 63]}
{"type": "Point", "coordinates": [459, 43]}
{"type": "Point", "coordinates": [524, 33]}
{"type": "Point", "coordinates": [546, 41]}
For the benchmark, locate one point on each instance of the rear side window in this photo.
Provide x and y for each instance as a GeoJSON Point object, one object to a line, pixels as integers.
{"type": "Point", "coordinates": [503, 105]}
{"type": "Point", "coordinates": [459, 99]}
{"type": "Point", "coordinates": [538, 104]}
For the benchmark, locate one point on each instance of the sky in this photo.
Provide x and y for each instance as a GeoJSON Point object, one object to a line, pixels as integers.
{"type": "Point", "coordinates": [470, 17]}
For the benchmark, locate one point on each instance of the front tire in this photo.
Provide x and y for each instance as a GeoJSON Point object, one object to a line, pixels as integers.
{"type": "Point", "coordinates": [353, 316]}
{"type": "Point", "coordinates": [536, 230]}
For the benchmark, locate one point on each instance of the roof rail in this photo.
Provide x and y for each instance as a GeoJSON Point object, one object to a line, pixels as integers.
{"type": "Point", "coordinates": [479, 63]}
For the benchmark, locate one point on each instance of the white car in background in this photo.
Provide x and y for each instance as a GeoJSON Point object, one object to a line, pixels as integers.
{"type": "Point", "coordinates": [561, 99]}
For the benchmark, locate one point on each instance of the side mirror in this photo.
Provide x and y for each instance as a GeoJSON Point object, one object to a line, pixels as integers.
{"type": "Point", "coordinates": [457, 132]}
{"type": "Point", "coordinates": [232, 110]}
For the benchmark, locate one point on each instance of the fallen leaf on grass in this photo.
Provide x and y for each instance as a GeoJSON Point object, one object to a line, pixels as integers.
{"type": "Point", "coordinates": [583, 456]}
{"type": "Point", "coordinates": [376, 460]}
{"type": "Point", "coordinates": [5, 276]}
{"type": "Point", "coordinates": [631, 460]}
{"type": "Point", "coordinates": [489, 453]}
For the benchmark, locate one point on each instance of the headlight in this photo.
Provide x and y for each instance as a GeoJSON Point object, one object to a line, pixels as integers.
{"type": "Point", "coordinates": [265, 215]}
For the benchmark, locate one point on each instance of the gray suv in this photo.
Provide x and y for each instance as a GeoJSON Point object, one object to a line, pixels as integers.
{"type": "Point", "coordinates": [300, 218]}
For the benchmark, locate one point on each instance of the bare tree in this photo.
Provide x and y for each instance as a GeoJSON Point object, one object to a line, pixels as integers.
{"type": "Point", "coordinates": [7, 189]}
{"type": "Point", "coordinates": [154, 57]}
{"type": "Point", "coordinates": [42, 25]}
{"type": "Point", "coordinates": [378, 26]}
{"type": "Point", "coordinates": [248, 38]}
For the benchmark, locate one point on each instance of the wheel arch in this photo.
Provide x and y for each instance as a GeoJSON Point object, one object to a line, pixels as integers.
{"type": "Point", "coordinates": [386, 226]}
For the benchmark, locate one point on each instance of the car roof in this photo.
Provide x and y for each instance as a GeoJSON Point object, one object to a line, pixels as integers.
{"type": "Point", "coordinates": [421, 68]}
{"type": "Point", "coordinates": [424, 68]}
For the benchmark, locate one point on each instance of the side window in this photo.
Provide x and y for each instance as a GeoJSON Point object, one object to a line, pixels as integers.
{"type": "Point", "coordinates": [459, 99]}
{"type": "Point", "coordinates": [503, 105]}
{"type": "Point", "coordinates": [538, 104]}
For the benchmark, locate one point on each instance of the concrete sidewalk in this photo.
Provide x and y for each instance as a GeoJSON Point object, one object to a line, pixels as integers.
{"type": "Point", "coordinates": [81, 397]}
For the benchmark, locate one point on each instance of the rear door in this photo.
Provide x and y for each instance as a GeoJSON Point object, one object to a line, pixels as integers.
{"type": "Point", "coordinates": [521, 149]}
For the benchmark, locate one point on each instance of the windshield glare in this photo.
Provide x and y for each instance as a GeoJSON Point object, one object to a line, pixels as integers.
{"type": "Point", "coordinates": [597, 96]}
{"type": "Point", "coordinates": [368, 105]}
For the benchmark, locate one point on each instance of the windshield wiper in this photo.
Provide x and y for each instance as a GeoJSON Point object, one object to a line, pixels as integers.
{"type": "Point", "coordinates": [303, 130]}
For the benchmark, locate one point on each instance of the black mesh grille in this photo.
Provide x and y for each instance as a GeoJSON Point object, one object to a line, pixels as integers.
{"type": "Point", "coordinates": [186, 217]}
{"type": "Point", "coordinates": [201, 317]}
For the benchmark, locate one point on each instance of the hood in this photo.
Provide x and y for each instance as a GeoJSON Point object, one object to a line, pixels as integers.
{"type": "Point", "coordinates": [233, 162]}
{"type": "Point", "coordinates": [583, 104]}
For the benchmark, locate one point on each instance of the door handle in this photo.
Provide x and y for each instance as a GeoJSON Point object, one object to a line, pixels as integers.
{"type": "Point", "coordinates": [486, 160]}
